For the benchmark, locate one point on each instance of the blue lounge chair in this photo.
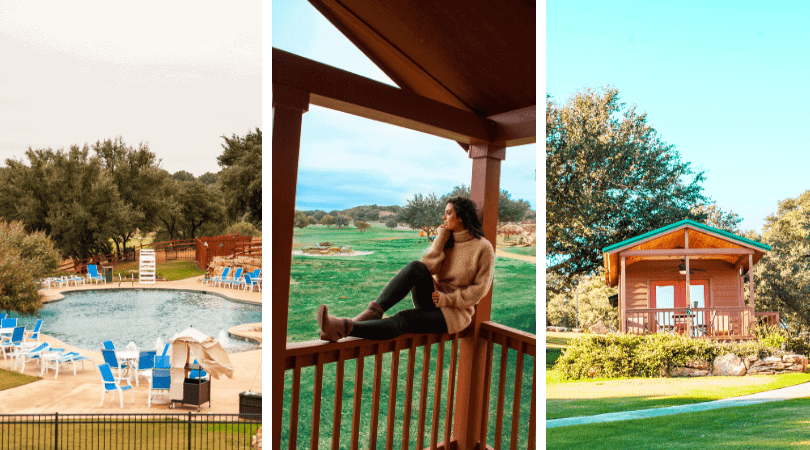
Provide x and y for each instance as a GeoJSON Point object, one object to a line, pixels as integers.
{"type": "Point", "coordinates": [10, 345]}
{"type": "Point", "coordinates": [161, 377]}
{"type": "Point", "coordinates": [165, 350]}
{"type": "Point", "coordinates": [35, 333]}
{"type": "Point", "coordinates": [112, 361]}
{"type": "Point", "coordinates": [30, 355]}
{"type": "Point", "coordinates": [146, 361]}
{"type": "Point", "coordinates": [92, 274]}
{"type": "Point", "coordinates": [108, 345]}
{"type": "Point", "coordinates": [110, 383]}
{"type": "Point", "coordinates": [250, 282]}
{"type": "Point", "coordinates": [198, 374]}
{"type": "Point", "coordinates": [222, 278]}
{"type": "Point", "coordinates": [10, 322]}
{"type": "Point", "coordinates": [236, 277]}
{"type": "Point", "coordinates": [61, 359]}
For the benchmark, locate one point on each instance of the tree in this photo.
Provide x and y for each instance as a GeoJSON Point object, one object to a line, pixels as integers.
{"type": "Point", "coordinates": [183, 176]}
{"type": "Point", "coordinates": [327, 220]}
{"type": "Point", "coordinates": [391, 223]}
{"type": "Point", "coordinates": [243, 229]}
{"type": "Point", "coordinates": [530, 215]}
{"type": "Point", "coordinates": [137, 175]}
{"type": "Point", "coordinates": [318, 214]}
{"type": "Point", "coordinates": [361, 225]}
{"type": "Point", "coordinates": [241, 176]}
{"type": "Point", "coordinates": [782, 276]}
{"type": "Point", "coordinates": [594, 307]}
{"type": "Point", "coordinates": [301, 220]}
{"type": "Point", "coordinates": [201, 212]}
{"type": "Point", "coordinates": [68, 195]}
{"type": "Point", "coordinates": [312, 220]}
{"type": "Point", "coordinates": [208, 179]}
{"type": "Point", "coordinates": [508, 210]}
{"type": "Point", "coordinates": [341, 221]}
{"type": "Point", "coordinates": [609, 177]}
{"type": "Point", "coordinates": [23, 258]}
{"type": "Point", "coordinates": [424, 213]}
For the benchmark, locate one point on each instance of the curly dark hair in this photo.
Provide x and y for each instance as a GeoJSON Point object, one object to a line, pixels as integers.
{"type": "Point", "coordinates": [467, 212]}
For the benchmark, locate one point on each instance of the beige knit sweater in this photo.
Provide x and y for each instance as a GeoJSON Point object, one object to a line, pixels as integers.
{"type": "Point", "coordinates": [462, 275]}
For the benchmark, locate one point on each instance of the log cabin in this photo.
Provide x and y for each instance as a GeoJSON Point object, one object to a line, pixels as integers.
{"type": "Point", "coordinates": [687, 278]}
{"type": "Point", "coordinates": [465, 71]}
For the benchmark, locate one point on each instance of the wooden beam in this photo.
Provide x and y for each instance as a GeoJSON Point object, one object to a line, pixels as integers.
{"type": "Point", "coordinates": [289, 106]}
{"type": "Point", "coordinates": [690, 252]}
{"type": "Point", "coordinates": [350, 93]}
{"type": "Point", "coordinates": [516, 127]}
{"type": "Point", "coordinates": [751, 280]}
{"type": "Point", "coordinates": [622, 297]}
{"type": "Point", "coordinates": [484, 191]}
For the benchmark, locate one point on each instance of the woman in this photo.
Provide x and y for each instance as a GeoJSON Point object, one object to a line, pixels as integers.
{"type": "Point", "coordinates": [452, 277]}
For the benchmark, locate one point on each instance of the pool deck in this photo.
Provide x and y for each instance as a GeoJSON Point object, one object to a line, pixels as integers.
{"type": "Point", "coordinates": [81, 393]}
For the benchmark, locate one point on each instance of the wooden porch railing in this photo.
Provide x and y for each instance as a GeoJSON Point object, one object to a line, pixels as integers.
{"type": "Point", "coordinates": [725, 323]}
{"type": "Point", "coordinates": [398, 425]}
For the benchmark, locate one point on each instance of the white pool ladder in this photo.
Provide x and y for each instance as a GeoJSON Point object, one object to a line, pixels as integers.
{"type": "Point", "coordinates": [147, 269]}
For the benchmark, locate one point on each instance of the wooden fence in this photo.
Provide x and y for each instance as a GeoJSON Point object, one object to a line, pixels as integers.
{"type": "Point", "coordinates": [209, 247]}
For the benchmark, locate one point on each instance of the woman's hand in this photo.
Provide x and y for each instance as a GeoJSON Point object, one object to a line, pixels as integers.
{"type": "Point", "coordinates": [435, 296]}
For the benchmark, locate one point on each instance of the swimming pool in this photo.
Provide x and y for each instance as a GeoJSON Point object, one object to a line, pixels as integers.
{"type": "Point", "coordinates": [87, 318]}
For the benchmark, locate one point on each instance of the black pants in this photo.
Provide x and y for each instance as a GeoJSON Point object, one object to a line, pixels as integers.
{"type": "Point", "coordinates": [424, 318]}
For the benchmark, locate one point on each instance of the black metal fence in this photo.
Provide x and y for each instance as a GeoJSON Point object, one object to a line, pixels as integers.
{"type": "Point", "coordinates": [128, 431]}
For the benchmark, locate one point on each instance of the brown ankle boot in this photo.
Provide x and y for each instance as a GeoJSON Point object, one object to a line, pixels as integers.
{"type": "Point", "coordinates": [333, 328]}
{"type": "Point", "coordinates": [373, 312]}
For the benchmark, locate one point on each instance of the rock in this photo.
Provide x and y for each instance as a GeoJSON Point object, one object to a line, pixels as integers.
{"type": "Point", "coordinates": [256, 442]}
{"type": "Point", "coordinates": [688, 372]}
{"type": "Point", "coordinates": [219, 263]}
{"type": "Point", "coordinates": [794, 360]}
{"type": "Point", "coordinates": [699, 364]}
{"type": "Point", "coordinates": [598, 328]}
{"type": "Point", "coordinates": [729, 365]}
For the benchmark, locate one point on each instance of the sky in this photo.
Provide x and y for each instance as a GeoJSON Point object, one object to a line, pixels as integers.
{"type": "Point", "coordinates": [348, 161]}
{"type": "Point", "coordinates": [724, 81]}
{"type": "Point", "coordinates": [175, 75]}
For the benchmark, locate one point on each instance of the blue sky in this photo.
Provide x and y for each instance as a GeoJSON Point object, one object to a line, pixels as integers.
{"type": "Point", "coordinates": [725, 82]}
{"type": "Point", "coordinates": [348, 161]}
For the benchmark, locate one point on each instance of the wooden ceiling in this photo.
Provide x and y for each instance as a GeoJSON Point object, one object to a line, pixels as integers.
{"type": "Point", "coordinates": [474, 55]}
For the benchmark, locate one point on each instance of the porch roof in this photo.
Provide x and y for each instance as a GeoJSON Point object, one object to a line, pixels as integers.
{"type": "Point", "coordinates": [703, 238]}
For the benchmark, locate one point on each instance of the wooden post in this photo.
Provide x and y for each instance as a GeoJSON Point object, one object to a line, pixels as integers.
{"type": "Point", "coordinates": [751, 281]}
{"type": "Point", "coordinates": [289, 106]}
{"type": "Point", "coordinates": [484, 191]}
{"type": "Point", "coordinates": [623, 298]}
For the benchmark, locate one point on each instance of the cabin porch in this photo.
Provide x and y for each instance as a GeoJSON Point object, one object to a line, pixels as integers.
{"type": "Point", "coordinates": [720, 323]}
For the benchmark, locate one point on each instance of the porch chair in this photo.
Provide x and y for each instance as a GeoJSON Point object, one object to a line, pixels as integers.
{"type": "Point", "coordinates": [34, 334]}
{"type": "Point", "coordinates": [112, 361]}
{"type": "Point", "coordinates": [222, 278]}
{"type": "Point", "coordinates": [161, 379]}
{"type": "Point", "coordinates": [110, 383]}
{"type": "Point", "coordinates": [146, 361]}
{"type": "Point", "coordinates": [93, 275]}
{"type": "Point", "coordinates": [30, 355]}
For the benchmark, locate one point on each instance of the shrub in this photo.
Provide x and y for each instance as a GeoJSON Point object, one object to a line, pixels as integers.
{"type": "Point", "coordinates": [652, 355]}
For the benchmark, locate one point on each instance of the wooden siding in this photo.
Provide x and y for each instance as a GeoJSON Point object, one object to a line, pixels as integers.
{"type": "Point", "coordinates": [724, 282]}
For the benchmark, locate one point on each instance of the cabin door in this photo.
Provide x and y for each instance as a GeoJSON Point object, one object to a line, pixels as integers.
{"type": "Point", "coordinates": [672, 294]}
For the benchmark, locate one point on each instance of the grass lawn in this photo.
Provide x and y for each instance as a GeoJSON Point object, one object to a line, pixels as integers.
{"type": "Point", "coordinates": [766, 426]}
{"type": "Point", "coordinates": [11, 379]}
{"type": "Point", "coordinates": [347, 284]}
{"type": "Point", "coordinates": [529, 251]}
{"type": "Point", "coordinates": [566, 398]}
{"type": "Point", "coordinates": [169, 270]}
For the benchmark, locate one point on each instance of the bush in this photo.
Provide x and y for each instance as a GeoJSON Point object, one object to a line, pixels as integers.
{"type": "Point", "coordinates": [652, 355]}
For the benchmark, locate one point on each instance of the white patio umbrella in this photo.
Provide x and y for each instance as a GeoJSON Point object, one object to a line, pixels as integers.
{"type": "Point", "coordinates": [191, 344]}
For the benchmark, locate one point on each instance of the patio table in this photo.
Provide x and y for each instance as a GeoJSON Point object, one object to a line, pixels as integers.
{"type": "Point", "coordinates": [129, 357]}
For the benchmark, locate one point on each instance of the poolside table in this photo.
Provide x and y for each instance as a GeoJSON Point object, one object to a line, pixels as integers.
{"type": "Point", "coordinates": [129, 357]}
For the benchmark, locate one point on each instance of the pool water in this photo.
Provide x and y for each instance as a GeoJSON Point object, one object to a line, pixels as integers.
{"type": "Point", "coordinates": [85, 319]}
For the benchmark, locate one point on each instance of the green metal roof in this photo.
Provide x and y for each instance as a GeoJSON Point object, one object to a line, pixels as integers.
{"type": "Point", "coordinates": [693, 224]}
